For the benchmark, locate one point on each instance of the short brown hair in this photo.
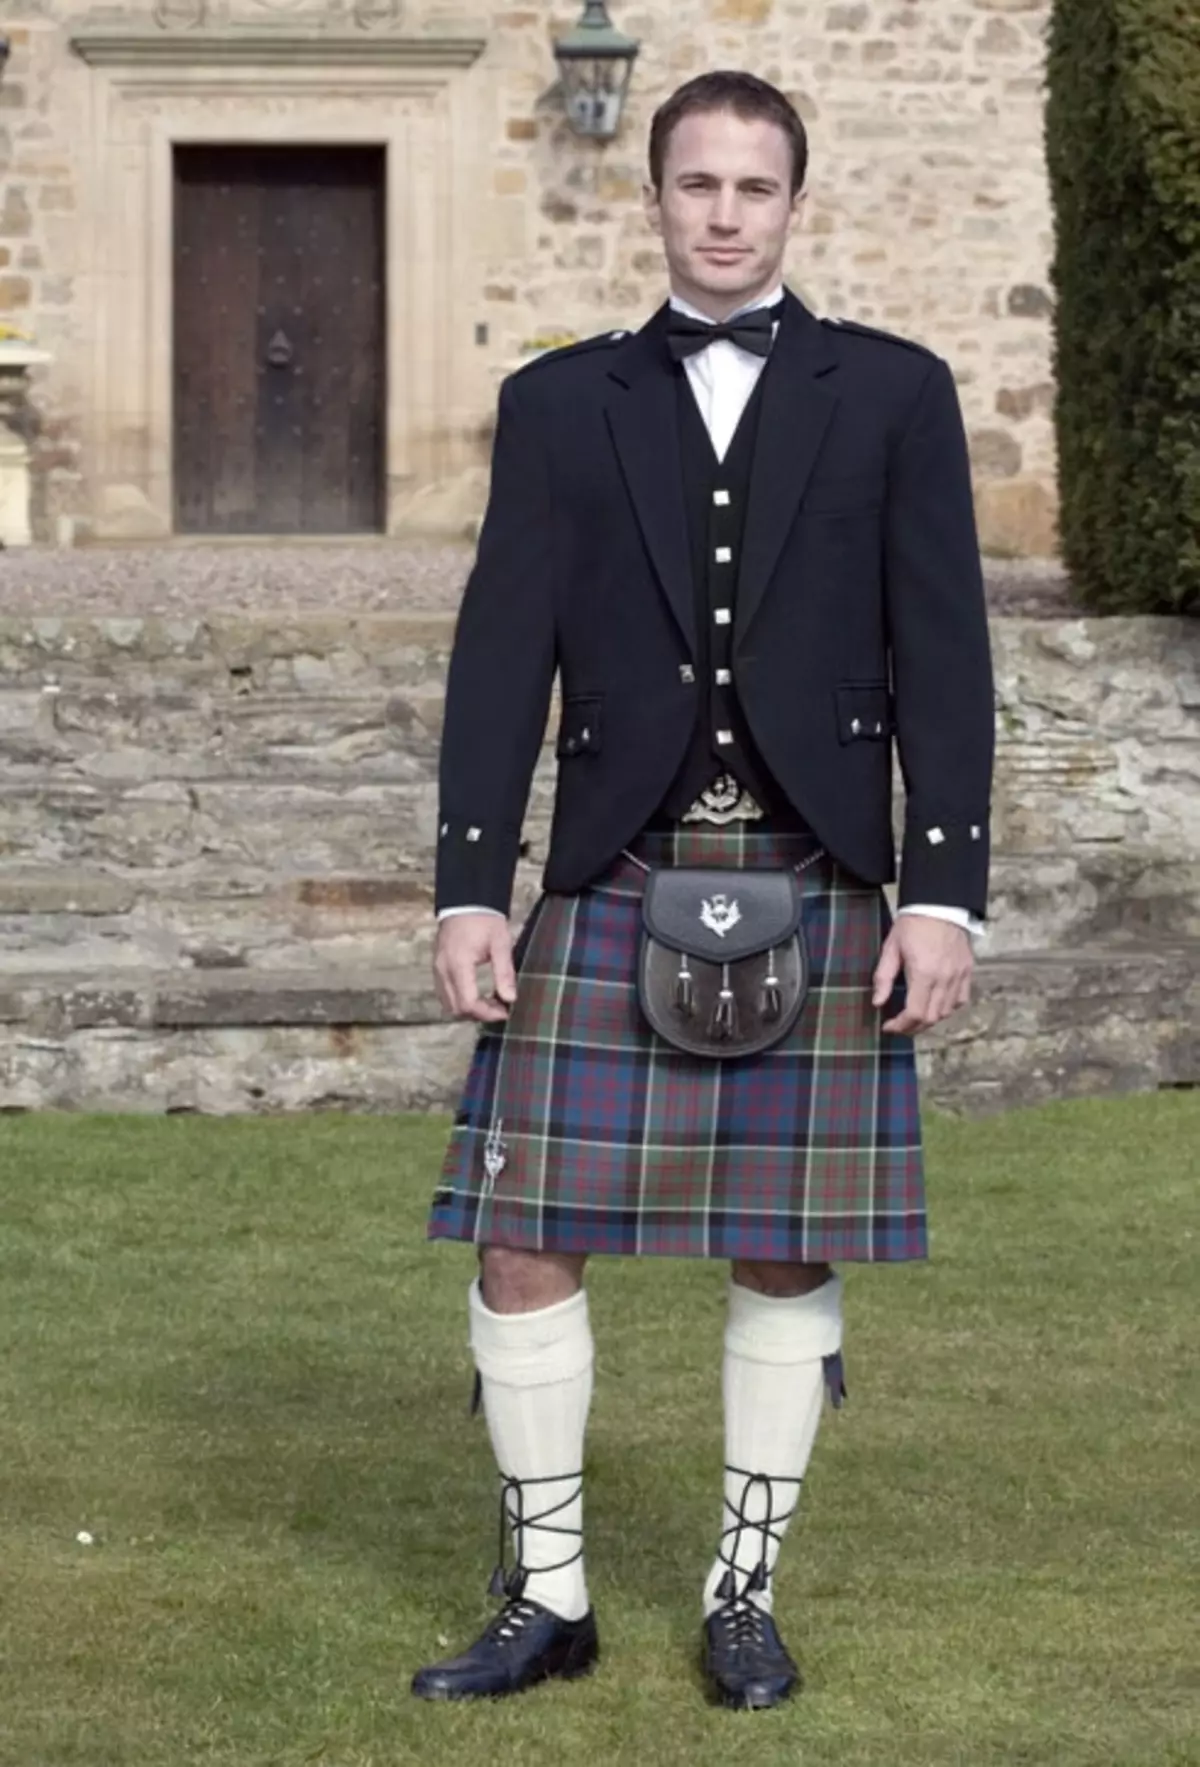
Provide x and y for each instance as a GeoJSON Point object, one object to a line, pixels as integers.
{"type": "Point", "coordinates": [747, 97]}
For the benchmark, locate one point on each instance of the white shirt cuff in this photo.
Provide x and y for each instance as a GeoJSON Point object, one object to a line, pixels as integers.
{"type": "Point", "coordinates": [956, 916]}
{"type": "Point", "coordinates": [962, 917]}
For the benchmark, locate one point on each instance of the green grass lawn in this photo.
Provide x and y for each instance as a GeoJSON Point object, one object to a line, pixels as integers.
{"type": "Point", "coordinates": [227, 1353]}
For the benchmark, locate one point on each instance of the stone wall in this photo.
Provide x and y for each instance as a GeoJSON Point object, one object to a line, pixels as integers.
{"type": "Point", "coordinates": [928, 209]}
{"type": "Point", "coordinates": [42, 263]}
{"type": "Point", "coordinates": [216, 841]}
{"type": "Point", "coordinates": [1096, 810]}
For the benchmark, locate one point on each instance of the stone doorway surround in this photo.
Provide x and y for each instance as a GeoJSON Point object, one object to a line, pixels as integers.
{"type": "Point", "coordinates": [151, 89]}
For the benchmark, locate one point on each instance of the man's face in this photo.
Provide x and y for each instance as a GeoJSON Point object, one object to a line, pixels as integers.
{"type": "Point", "coordinates": [726, 210]}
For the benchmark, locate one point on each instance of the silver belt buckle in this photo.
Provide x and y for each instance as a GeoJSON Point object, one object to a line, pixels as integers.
{"type": "Point", "coordinates": [722, 802]}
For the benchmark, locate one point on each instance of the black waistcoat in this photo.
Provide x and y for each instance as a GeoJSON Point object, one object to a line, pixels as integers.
{"type": "Point", "coordinates": [715, 496]}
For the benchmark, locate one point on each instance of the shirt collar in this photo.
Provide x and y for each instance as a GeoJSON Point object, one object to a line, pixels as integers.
{"type": "Point", "coordinates": [767, 300]}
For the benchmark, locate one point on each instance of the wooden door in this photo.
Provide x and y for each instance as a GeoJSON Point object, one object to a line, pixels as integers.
{"type": "Point", "coordinates": [280, 371]}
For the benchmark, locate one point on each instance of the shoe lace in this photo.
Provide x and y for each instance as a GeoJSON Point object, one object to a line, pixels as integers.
{"type": "Point", "coordinates": [511, 1582]}
{"type": "Point", "coordinates": [769, 1528]}
{"type": "Point", "coordinates": [511, 1621]}
{"type": "Point", "coordinates": [742, 1620]}
{"type": "Point", "coordinates": [771, 1524]}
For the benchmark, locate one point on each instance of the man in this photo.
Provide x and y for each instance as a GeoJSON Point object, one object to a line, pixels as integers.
{"type": "Point", "coordinates": [744, 540]}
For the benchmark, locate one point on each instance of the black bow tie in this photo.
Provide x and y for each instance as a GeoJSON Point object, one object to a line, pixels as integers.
{"type": "Point", "coordinates": [749, 331]}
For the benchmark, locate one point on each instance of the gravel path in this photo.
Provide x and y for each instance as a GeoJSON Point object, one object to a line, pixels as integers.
{"type": "Point", "coordinates": [379, 576]}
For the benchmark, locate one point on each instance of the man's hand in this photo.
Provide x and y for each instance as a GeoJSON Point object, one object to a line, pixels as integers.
{"type": "Point", "coordinates": [464, 942]}
{"type": "Point", "coordinates": [937, 960]}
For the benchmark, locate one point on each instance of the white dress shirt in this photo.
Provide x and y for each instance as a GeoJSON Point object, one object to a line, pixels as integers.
{"type": "Point", "coordinates": [722, 377]}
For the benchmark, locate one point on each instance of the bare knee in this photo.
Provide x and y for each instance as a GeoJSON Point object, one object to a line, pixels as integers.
{"type": "Point", "coordinates": [524, 1282]}
{"type": "Point", "coordinates": [779, 1280]}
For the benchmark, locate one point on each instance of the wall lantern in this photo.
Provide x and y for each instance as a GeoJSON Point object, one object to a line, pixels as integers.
{"type": "Point", "coordinates": [596, 62]}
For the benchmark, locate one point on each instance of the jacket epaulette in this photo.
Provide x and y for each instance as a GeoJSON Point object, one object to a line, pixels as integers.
{"type": "Point", "coordinates": [887, 337]}
{"type": "Point", "coordinates": [604, 341]}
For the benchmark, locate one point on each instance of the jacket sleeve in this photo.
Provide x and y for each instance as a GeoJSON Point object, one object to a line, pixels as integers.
{"type": "Point", "coordinates": [940, 654]}
{"type": "Point", "coordinates": [500, 677]}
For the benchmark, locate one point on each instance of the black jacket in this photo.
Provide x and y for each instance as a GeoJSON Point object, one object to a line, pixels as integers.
{"type": "Point", "coordinates": [859, 613]}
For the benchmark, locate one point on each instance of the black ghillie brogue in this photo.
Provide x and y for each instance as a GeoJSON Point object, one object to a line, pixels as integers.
{"type": "Point", "coordinates": [523, 1645]}
{"type": "Point", "coordinates": [745, 1661]}
{"type": "Point", "coordinates": [526, 1643]}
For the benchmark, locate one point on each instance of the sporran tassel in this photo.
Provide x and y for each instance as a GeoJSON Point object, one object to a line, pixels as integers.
{"type": "Point", "coordinates": [724, 1019]}
{"type": "Point", "coordinates": [684, 993]}
{"type": "Point", "coordinates": [771, 1000]}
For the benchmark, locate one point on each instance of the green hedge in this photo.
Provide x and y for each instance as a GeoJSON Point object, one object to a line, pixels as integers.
{"type": "Point", "coordinates": [1123, 143]}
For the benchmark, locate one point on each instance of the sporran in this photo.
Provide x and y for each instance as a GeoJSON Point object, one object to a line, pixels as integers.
{"type": "Point", "coordinates": [723, 966]}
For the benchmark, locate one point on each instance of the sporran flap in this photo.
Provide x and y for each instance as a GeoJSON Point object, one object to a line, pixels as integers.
{"type": "Point", "coordinates": [721, 915]}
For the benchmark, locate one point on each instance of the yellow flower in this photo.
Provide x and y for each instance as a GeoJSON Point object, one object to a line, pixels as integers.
{"type": "Point", "coordinates": [550, 340]}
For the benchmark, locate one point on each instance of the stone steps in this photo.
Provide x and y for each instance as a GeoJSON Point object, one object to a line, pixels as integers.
{"type": "Point", "coordinates": [234, 809]}
{"type": "Point", "coordinates": [275, 872]}
{"type": "Point", "coordinates": [215, 736]}
{"type": "Point", "coordinates": [1095, 895]}
{"type": "Point", "coordinates": [156, 657]}
{"type": "Point", "coordinates": [213, 752]}
{"type": "Point", "coordinates": [69, 917]}
{"type": "Point", "coordinates": [1044, 1025]}
{"type": "Point", "coordinates": [156, 1041]}
{"type": "Point", "coordinates": [1063, 1023]}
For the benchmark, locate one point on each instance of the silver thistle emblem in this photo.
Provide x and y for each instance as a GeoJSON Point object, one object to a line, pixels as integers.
{"type": "Point", "coordinates": [720, 914]}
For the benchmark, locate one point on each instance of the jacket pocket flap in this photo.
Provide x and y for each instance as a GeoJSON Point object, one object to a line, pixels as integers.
{"type": "Point", "coordinates": [579, 726]}
{"type": "Point", "coordinates": [864, 712]}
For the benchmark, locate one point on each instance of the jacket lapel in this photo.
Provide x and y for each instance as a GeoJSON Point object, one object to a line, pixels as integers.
{"type": "Point", "coordinates": [796, 412]}
{"type": "Point", "coordinates": [644, 421]}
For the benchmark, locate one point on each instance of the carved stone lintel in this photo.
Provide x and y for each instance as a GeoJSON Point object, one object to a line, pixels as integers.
{"type": "Point", "coordinates": [272, 45]}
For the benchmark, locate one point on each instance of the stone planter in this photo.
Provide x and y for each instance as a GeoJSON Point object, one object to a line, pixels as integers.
{"type": "Point", "coordinates": [16, 359]}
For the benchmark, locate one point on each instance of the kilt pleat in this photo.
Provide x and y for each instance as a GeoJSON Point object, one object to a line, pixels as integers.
{"type": "Point", "coordinates": [580, 1130]}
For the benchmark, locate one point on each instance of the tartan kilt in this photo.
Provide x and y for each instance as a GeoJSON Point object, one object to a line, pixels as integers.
{"type": "Point", "coordinates": [614, 1141]}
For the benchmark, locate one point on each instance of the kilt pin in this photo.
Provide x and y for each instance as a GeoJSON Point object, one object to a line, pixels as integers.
{"type": "Point", "coordinates": [580, 1130]}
